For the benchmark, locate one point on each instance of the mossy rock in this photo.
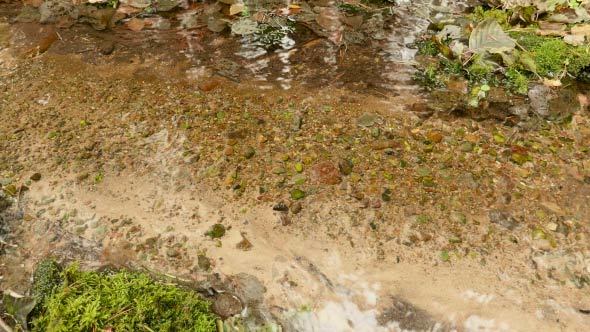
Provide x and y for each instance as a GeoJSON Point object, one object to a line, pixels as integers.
{"type": "Point", "coordinates": [216, 231]}
{"type": "Point", "coordinates": [46, 278]}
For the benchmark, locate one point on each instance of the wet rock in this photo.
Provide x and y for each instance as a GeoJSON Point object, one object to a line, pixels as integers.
{"type": "Point", "coordinates": [409, 318]}
{"type": "Point", "coordinates": [216, 23]}
{"type": "Point", "coordinates": [385, 145]}
{"type": "Point", "coordinates": [203, 262]}
{"type": "Point", "coordinates": [4, 202]}
{"type": "Point", "coordinates": [228, 151]}
{"type": "Point", "coordinates": [82, 176]}
{"type": "Point", "coordinates": [172, 252]}
{"type": "Point", "coordinates": [297, 194]}
{"type": "Point", "coordinates": [36, 177]}
{"type": "Point", "coordinates": [245, 244]}
{"type": "Point", "coordinates": [521, 111]}
{"type": "Point", "coordinates": [150, 242]}
{"type": "Point", "coordinates": [216, 231]}
{"type": "Point", "coordinates": [137, 3]}
{"type": "Point", "coordinates": [80, 229]}
{"type": "Point", "coordinates": [326, 173]}
{"type": "Point", "coordinates": [466, 147]}
{"type": "Point", "coordinates": [352, 21]}
{"type": "Point", "coordinates": [297, 122]}
{"type": "Point", "coordinates": [503, 219]}
{"type": "Point", "coordinates": [328, 18]}
{"type": "Point", "coordinates": [106, 47]}
{"type": "Point", "coordinates": [248, 288]}
{"type": "Point", "coordinates": [226, 305]}
{"type": "Point", "coordinates": [51, 11]}
{"type": "Point", "coordinates": [99, 18]}
{"type": "Point", "coordinates": [434, 136]}
{"type": "Point", "coordinates": [10, 190]}
{"type": "Point", "coordinates": [28, 14]}
{"type": "Point", "coordinates": [386, 195]}
{"type": "Point", "coordinates": [296, 208]}
{"type": "Point", "coordinates": [281, 206]}
{"type": "Point", "coordinates": [100, 232]}
{"type": "Point", "coordinates": [374, 27]}
{"type": "Point", "coordinates": [458, 217]}
{"type": "Point", "coordinates": [189, 20]}
{"type": "Point", "coordinates": [167, 5]}
{"type": "Point", "coordinates": [539, 96]}
{"type": "Point", "coordinates": [368, 120]}
{"type": "Point", "coordinates": [249, 152]}
{"type": "Point", "coordinates": [284, 219]}
{"type": "Point", "coordinates": [345, 166]}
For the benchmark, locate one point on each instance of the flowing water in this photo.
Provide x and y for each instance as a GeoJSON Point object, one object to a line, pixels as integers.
{"type": "Point", "coordinates": [151, 131]}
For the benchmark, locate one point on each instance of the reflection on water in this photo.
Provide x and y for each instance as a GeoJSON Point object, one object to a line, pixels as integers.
{"type": "Point", "coordinates": [362, 44]}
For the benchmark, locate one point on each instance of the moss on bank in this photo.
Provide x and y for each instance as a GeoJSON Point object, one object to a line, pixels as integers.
{"type": "Point", "coordinates": [75, 300]}
{"type": "Point", "coordinates": [535, 57]}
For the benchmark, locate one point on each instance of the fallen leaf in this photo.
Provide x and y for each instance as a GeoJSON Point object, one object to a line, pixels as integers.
{"type": "Point", "coordinates": [209, 84]}
{"type": "Point", "coordinates": [551, 83]}
{"type": "Point", "coordinates": [236, 8]}
{"type": "Point", "coordinates": [489, 36]}
{"type": "Point", "coordinates": [557, 33]}
{"type": "Point", "coordinates": [543, 25]}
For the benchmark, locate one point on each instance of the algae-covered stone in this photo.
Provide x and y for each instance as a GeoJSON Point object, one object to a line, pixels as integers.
{"type": "Point", "coordinates": [46, 277]}
{"type": "Point", "coordinates": [216, 231]}
{"type": "Point", "coordinates": [297, 194]}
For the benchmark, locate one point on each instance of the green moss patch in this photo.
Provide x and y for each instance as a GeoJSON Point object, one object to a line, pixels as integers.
{"type": "Point", "coordinates": [76, 300]}
{"type": "Point", "coordinates": [552, 56]}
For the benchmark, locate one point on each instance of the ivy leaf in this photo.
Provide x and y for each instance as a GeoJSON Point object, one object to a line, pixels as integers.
{"type": "Point", "coordinates": [488, 36]}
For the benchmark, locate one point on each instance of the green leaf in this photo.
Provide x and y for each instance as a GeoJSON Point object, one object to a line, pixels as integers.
{"type": "Point", "coordinates": [19, 307]}
{"type": "Point", "coordinates": [526, 60]}
{"type": "Point", "coordinates": [488, 36]}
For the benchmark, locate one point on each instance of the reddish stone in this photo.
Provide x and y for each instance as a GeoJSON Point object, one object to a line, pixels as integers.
{"type": "Point", "coordinates": [326, 173]}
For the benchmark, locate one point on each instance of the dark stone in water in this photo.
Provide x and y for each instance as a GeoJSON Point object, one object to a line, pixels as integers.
{"type": "Point", "coordinates": [226, 305]}
{"type": "Point", "coordinates": [106, 47]}
{"type": "Point", "coordinates": [280, 206]}
{"type": "Point", "coordinates": [503, 219]}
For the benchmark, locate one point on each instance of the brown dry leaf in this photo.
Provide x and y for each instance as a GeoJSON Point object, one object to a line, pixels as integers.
{"type": "Point", "coordinates": [552, 26]}
{"type": "Point", "coordinates": [551, 83]}
{"type": "Point", "coordinates": [236, 8]}
{"type": "Point", "coordinates": [551, 29]}
{"type": "Point", "coordinates": [551, 33]}
{"type": "Point", "coordinates": [329, 19]}
{"type": "Point", "coordinates": [209, 84]}
{"type": "Point", "coordinates": [135, 24]}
